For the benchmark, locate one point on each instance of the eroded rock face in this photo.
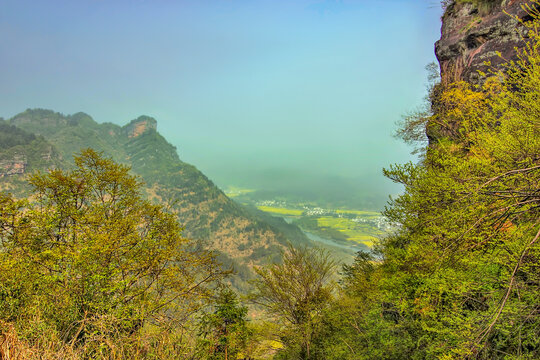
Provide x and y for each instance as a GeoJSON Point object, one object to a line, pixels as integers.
{"type": "Point", "coordinates": [13, 166]}
{"type": "Point", "coordinates": [476, 37]}
{"type": "Point", "coordinates": [473, 34]}
{"type": "Point", "coordinates": [140, 126]}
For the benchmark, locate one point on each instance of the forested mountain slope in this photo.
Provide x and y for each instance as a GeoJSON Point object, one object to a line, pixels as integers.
{"type": "Point", "coordinates": [22, 152]}
{"type": "Point", "coordinates": [45, 138]}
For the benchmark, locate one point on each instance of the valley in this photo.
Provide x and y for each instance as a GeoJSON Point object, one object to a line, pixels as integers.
{"type": "Point", "coordinates": [304, 191]}
{"type": "Point", "coordinates": [351, 229]}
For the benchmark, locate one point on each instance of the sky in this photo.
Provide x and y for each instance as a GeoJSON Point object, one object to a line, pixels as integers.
{"type": "Point", "coordinates": [252, 92]}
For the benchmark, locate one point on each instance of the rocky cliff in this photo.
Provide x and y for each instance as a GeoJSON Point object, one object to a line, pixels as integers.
{"type": "Point", "coordinates": [22, 152]}
{"type": "Point", "coordinates": [477, 32]}
{"type": "Point", "coordinates": [477, 37]}
{"type": "Point", "coordinates": [140, 126]}
{"type": "Point", "coordinates": [15, 165]}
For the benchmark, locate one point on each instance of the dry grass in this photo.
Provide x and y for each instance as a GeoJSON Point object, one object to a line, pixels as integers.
{"type": "Point", "coordinates": [12, 347]}
{"type": "Point", "coordinates": [148, 344]}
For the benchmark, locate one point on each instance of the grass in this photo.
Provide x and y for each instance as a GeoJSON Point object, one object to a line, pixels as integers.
{"type": "Point", "coordinates": [280, 211]}
{"type": "Point", "coordinates": [149, 343]}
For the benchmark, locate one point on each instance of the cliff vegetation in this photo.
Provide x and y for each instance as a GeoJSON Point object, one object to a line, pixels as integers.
{"type": "Point", "coordinates": [90, 268]}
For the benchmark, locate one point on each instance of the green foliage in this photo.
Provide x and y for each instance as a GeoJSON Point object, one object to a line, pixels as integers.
{"type": "Point", "coordinates": [224, 331]}
{"type": "Point", "coordinates": [86, 257]}
{"type": "Point", "coordinates": [297, 291]}
{"type": "Point", "coordinates": [459, 278]}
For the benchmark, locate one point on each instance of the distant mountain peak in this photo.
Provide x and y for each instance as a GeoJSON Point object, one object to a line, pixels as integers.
{"type": "Point", "coordinates": [46, 122]}
{"type": "Point", "coordinates": [43, 117]}
{"type": "Point", "coordinates": [140, 125]}
{"type": "Point", "coordinates": [81, 118]}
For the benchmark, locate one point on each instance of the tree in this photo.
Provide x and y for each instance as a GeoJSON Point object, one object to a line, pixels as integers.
{"type": "Point", "coordinates": [90, 257]}
{"type": "Point", "coordinates": [224, 331]}
{"type": "Point", "coordinates": [459, 278]}
{"type": "Point", "coordinates": [296, 291]}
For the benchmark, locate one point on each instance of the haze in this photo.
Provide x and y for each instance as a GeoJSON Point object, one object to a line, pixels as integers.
{"type": "Point", "coordinates": [277, 95]}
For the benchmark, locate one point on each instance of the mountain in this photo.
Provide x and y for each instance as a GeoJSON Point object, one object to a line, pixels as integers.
{"type": "Point", "coordinates": [23, 152]}
{"type": "Point", "coordinates": [38, 139]}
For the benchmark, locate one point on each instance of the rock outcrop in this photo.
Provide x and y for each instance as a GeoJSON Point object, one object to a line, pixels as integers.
{"type": "Point", "coordinates": [477, 37]}
{"type": "Point", "coordinates": [479, 32]}
{"type": "Point", "coordinates": [140, 126]}
{"type": "Point", "coordinates": [14, 166]}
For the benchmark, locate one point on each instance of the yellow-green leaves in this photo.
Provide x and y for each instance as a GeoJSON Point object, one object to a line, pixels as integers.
{"type": "Point", "coordinates": [89, 251]}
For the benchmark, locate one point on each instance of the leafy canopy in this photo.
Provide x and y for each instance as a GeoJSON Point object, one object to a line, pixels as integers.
{"type": "Point", "coordinates": [89, 256]}
{"type": "Point", "coordinates": [297, 290]}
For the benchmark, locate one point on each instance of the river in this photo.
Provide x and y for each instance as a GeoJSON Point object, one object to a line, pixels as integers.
{"type": "Point", "coordinates": [352, 248]}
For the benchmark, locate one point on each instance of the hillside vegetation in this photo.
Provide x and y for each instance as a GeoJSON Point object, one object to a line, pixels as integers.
{"type": "Point", "coordinates": [460, 278]}
{"type": "Point", "coordinates": [91, 269]}
{"type": "Point", "coordinates": [240, 236]}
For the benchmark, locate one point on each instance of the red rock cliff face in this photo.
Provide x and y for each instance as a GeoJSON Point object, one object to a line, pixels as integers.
{"type": "Point", "coordinates": [475, 33]}
{"type": "Point", "coordinates": [13, 166]}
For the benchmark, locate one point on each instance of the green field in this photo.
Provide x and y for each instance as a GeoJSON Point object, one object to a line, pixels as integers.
{"type": "Point", "coordinates": [233, 191]}
{"type": "Point", "coordinates": [353, 231]}
{"type": "Point", "coordinates": [360, 213]}
{"type": "Point", "coordinates": [335, 224]}
{"type": "Point", "coordinates": [280, 211]}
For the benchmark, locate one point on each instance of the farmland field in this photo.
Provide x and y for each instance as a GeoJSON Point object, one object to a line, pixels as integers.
{"type": "Point", "coordinates": [359, 232]}
{"type": "Point", "coordinates": [359, 213]}
{"type": "Point", "coordinates": [340, 225]}
{"type": "Point", "coordinates": [233, 191]}
{"type": "Point", "coordinates": [345, 226]}
{"type": "Point", "coordinates": [280, 211]}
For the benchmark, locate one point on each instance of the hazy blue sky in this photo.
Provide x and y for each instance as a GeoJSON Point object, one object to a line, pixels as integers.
{"type": "Point", "coordinates": [304, 86]}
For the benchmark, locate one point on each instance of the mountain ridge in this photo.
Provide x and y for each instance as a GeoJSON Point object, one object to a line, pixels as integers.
{"type": "Point", "coordinates": [242, 237]}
